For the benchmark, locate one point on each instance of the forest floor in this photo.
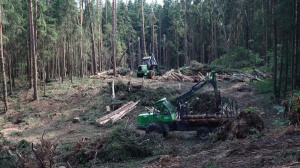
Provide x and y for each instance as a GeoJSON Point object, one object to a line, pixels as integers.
{"type": "Point", "coordinates": [51, 118]}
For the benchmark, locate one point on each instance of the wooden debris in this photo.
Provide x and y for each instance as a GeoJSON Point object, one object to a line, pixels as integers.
{"type": "Point", "coordinates": [108, 108]}
{"type": "Point", "coordinates": [104, 75]}
{"type": "Point", "coordinates": [76, 120]}
{"type": "Point", "coordinates": [172, 75]}
{"type": "Point", "coordinates": [263, 74]}
{"type": "Point", "coordinates": [242, 77]}
{"type": "Point", "coordinates": [117, 114]}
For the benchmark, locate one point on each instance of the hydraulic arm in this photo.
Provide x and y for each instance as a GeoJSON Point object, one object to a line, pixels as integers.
{"type": "Point", "coordinates": [209, 79]}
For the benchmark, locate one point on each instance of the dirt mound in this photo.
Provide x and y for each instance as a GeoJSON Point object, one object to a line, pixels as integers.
{"type": "Point", "coordinates": [293, 110]}
{"type": "Point", "coordinates": [245, 124]}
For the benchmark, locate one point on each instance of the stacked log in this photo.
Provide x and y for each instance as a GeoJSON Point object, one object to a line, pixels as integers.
{"type": "Point", "coordinates": [104, 75]}
{"type": "Point", "coordinates": [263, 74]}
{"type": "Point", "coordinates": [243, 77]}
{"type": "Point", "coordinates": [172, 75]}
{"type": "Point", "coordinates": [117, 114]}
{"type": "Point", "coordinates": [206, 119]}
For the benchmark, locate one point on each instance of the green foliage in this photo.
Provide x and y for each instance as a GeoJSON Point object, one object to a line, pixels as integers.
{"type": "Point", "coordinates": [7, 160]}
{"type": "Point", "coordinates": [213, 136]}
{"type": "Point", "coordinates": [239, 58]}
{"type": "Point", "coordinates": [23, 146]}
{"type": "Point", "coordinates": [16, 133]}
{"type": "Point", "coordinates": [280, 123]}
{"type": "Point", "coordinates": [252, 109]}
{"type": "Point", "coordinates": [124, 144]}
{"type": "Point", "coordinates": [264, 86]}
{"type": "Point", "coordinates": [123, 71]}
{"type": "Point", "coordinates": [254, 136]}
{"type": "Point", "coordinates": [280, 109]}
{"type": "Point", "coordinates": [287, 156]}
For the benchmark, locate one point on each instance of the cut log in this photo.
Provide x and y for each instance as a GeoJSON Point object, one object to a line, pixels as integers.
{"type": "Point", "coordinates": [263, 74]}
{"type": "Point", "coordinates": [117, 114]}
{"type": "Point", "coordinates": [209, 120]}
{"type": "Point", "coordinates": [202, 116]}
{"type": "Point", "coordinates": [124, 112]}
{"type": "Point", "coordinates": [113, 113]}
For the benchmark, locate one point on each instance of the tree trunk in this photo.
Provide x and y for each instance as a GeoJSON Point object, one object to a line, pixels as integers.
{"type": "Point", "coordinates": [143, 30]}
{"type": "Point", "coordinates": [186, 57]}
{"type": "Point", "coordinates": [201, 34]}
{"type": "Point", "coordinates": [100, 34]}
{"type": "Point", "coordinates": [9, 63]}
{"type": "Point", "coordinates": [275, 92]}
{"type": "Point", "coordinates": [113, 36]}
{"type": "Point", "coordinates": [81, 41]}
{"type": "Point", "coordinates": [32, 49]}
{"type": "Point", "coordinates": [159, 40]}
{"type": "Point", "coordinates": [139, 52]}
{"type": "Point", "coordinates": [93, 67]}
{"type": "Point", "coordinates": [152, 31]}
{"type": "Point", "coordinates": [3, 65]}
{"type": "Point", "coordinates": [295, 47]}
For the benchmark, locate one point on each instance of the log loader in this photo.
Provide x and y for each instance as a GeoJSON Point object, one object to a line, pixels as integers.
{"type": "Point", "coordinates": [164, 117]}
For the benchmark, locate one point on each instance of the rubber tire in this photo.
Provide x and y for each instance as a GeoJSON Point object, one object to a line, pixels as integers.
{"type": "Point", "coordinates": [154, 127]}
{"type": "Point", "coordinates": [202, 133]}
{"type": "Point", "coordinates": [161, 72]}
{"type": "Point", "coordinates": [151, 74]}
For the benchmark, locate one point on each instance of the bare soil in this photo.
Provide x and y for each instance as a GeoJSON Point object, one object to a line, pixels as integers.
{"type": "Point", "coordinates": [52, 117]}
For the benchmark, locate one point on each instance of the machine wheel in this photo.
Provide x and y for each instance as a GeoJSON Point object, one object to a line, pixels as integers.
{"type": "Point", "coordinates": [154, 127]}
{"type": "Point", "coordinates": [161, 72]}
{"type": "Point", "coordinates": [202, 133]}
{"type": "Point", "coordinates": [151, 74]}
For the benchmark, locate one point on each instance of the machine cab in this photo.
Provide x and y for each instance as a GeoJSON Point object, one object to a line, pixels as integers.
{"type": "Point", "coordinates": [163, 111]}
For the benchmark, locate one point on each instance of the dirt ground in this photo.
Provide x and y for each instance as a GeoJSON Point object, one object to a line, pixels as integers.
{"type": "Point", "coordinates": [52, 117]}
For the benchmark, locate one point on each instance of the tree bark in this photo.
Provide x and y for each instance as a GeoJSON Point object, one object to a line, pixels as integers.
{"type": "Point", "coordinates": [32, 49]}
{"type": "Point", "coordinates": [186, 57]}
{"type": "Point", "coordinates": [139, 52]}
{"type": "Point", "coordinates": [3, 65]}
{"type": "Point", "coordinates": [275, 92]}
{"type": "Point", "coordinates": [93, 67]}
{"type": "Point", "coordinates": [295, 47]}
{"type": "Point", "coordinates": [113, 36]}
{"type": "Point", "coordinates": [143, 30]}
{"type": "Point", "coordinates": [81, 41]}
{"type": "Point", "coordinates": [152, 30]}
{"type": "Point", "coordinates": [100, 34]}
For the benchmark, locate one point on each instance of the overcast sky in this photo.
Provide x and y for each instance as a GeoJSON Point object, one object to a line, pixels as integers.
{"type": "Point", "coordinates": [158, 1]}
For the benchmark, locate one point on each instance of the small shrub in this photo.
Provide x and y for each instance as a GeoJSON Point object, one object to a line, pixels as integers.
{"type": "Point", "coordinates": [264, 86]}
{"type": "Point", "coordinates": [16, 133]}
{"type": "Point", "coordinates": [125, 144]}
{"type": "Point", "coordinates": [279, 123]}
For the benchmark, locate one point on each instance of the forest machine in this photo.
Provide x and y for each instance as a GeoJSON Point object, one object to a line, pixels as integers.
{"type": "Point", "coordinates": [149, 68]}
{"type": "Point", "coordinates": [164, 117]}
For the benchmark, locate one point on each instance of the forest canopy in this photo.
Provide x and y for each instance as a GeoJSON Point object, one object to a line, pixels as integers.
{"type": "Point", "coordinates": [65, 38]}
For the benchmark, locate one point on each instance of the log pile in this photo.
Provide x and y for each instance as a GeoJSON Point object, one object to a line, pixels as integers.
{"type": "Point", "coordinates": [104, 75]}
{"type": "Point", "coordinates": [206, 119]}
{"type": "Point", "coordinates": [172, 75]}
{"type": "Point", "coordinates": [263, 74]}
{"type": "Point", "coordinates": [243, 77]}
{"type": "Point", "coordinates": [117, 114]}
